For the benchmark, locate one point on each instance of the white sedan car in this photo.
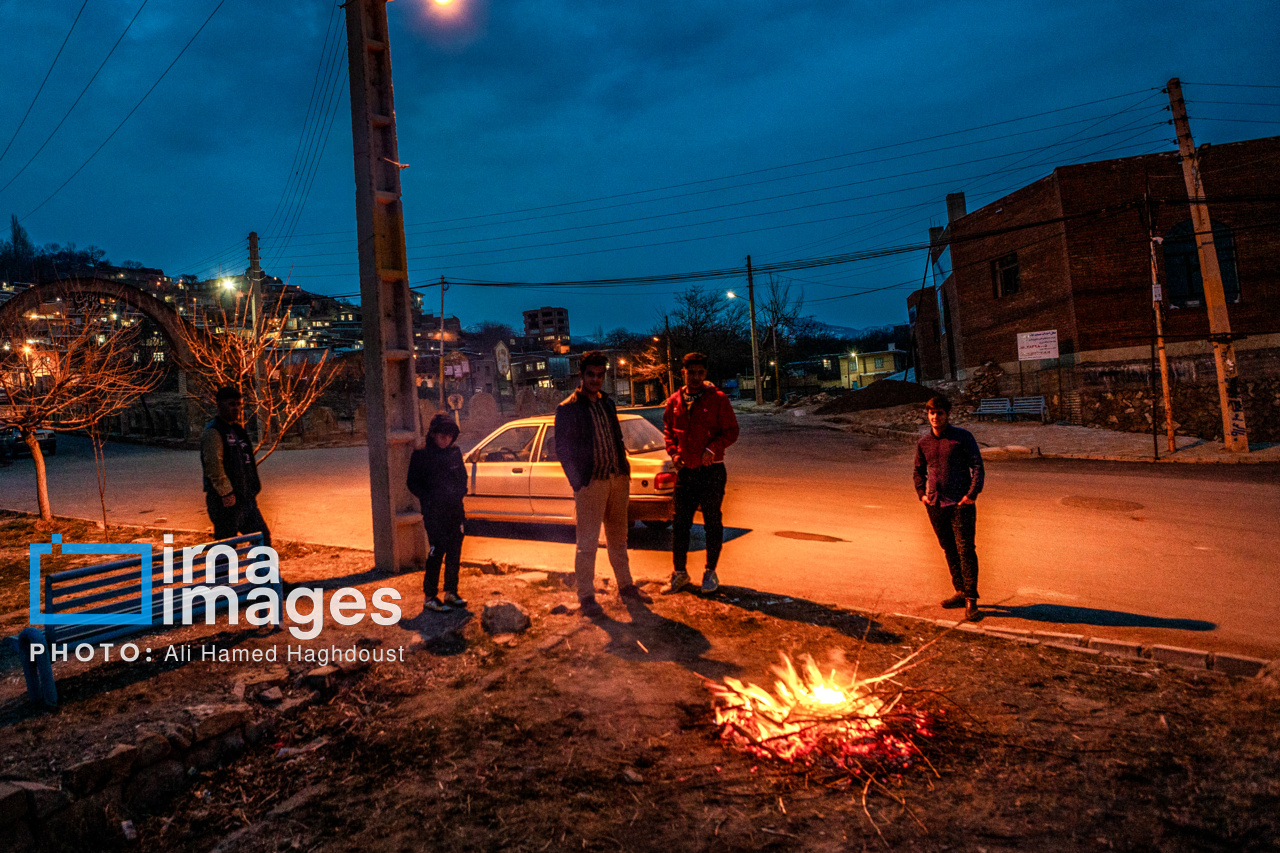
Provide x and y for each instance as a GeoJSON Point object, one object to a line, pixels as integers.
{"type": "Point", "coordinates": [515, 474]}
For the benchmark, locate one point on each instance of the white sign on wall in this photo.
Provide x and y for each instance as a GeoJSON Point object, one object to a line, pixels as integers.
{"type": "Point", "coordinates": [1033, 346]}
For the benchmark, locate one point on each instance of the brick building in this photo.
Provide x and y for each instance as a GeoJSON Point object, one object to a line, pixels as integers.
{"type": "Point", "coordinates": [1072, 253]}
{"type": "Point", "coordinates": [547, 328]}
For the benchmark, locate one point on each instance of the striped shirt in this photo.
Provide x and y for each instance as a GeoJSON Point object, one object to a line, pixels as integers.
{"type": "Point", "coordinates": [604, 451]}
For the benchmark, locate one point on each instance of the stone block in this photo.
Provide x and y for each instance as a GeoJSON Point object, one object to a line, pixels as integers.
{"type": "Point", "coordinates": [1116, 648]}
{"type": "Point", "coordinates": [504, 617]}
{"type": "Point", "coordinates": [531, 577]}
{"type": "Point", "coordinates": [153, 787]}
{"type": "Point", "coordinates": [350, 667]}
{"type": "Point", "coordinates": [13, 803]}
{"type": "Point", "coordinates": [152, 747]}
{"type": "Point", "coordinates": [1178, 656]}
{"type": "Point", "coordinates": [1055, 637]}
{"type": "Point", "coordinates": [217, 750]}
{"type": "Point", "coordinates": [322, 676]}
{"type": "Point", "coordinates": [1238, 664]}
{"type": "Point", "coordinates": [42, 800]}
{"type": "Point", "coordinates": [1006, 632]}
{"type": "Point", "coordinates": [90, 775]}
{"type": "Point", "coordinates": [212, 720]}
{"type": "Point", "coordinates": [271, 695]}
{"type": "Point", "coordinates": [1070, 647]}
{"type": "Point", "coordinates": [261, 680]}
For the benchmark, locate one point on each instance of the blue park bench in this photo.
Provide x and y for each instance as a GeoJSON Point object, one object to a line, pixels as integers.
{"type": "Point", "coordinates": [992, 407]}
{"type": "Point", "coordinates": [111, 596]}
{"type": "Point", "coordinates": [1031, 406]}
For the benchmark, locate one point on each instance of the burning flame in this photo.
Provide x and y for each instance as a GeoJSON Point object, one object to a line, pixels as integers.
{"type": "Point", "coordinates": [811, 716]}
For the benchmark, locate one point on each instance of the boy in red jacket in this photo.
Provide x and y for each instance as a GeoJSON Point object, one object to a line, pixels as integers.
{"type": "Point", "coordinates": [699, 425]}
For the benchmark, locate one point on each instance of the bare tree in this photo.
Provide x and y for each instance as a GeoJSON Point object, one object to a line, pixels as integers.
{"type": "Point", "coordinates": [779, 321]}
{"type": "Point", "coordinates": [69, 371]}
{"type": "Point", "coordinates": [242, 347]}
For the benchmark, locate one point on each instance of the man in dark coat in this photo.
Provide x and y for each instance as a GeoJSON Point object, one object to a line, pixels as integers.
{"type": "Point", "coordinates": [231, 483]}
{"type": "Point", "coordinates": [589, 444]}
{"type": "Point", "coordinates": [699, 425]}
{"type": "Point", "coordinates": [948, 478]}
{"type": "Point", "coordinates": [438, 479]}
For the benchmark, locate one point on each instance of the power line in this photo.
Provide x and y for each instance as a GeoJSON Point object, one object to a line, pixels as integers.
{"type": "Point", "coordinates": [36, 96]}
{"type": "Point", "coordinates": [78, 97]}
{"type": "Point", "coordinates": [131, 112]}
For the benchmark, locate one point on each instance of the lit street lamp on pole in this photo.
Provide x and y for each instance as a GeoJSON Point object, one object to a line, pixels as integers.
{"type": "Point", "coordinates": [755, 347]}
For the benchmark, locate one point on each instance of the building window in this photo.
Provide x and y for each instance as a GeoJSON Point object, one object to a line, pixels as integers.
{"type": "Point", "coordinates": [1182, 265]}
{"type": "Point", "coordinates": [879, 362]}
{"type": "Point", "coordinates": [1005, 279]}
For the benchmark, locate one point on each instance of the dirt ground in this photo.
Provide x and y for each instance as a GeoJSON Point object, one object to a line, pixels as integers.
{"type": "Point", "coordinates": [580, 735]}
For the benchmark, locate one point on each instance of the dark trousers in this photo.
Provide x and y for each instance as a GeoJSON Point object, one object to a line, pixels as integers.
{"type": "Point", "coordinates": [698, 488]}
{"type": "Point", "coordinates": [954, 526]}
{"type": "Point", "coordinates": [244, 517]}
{"type": "Point", "coordinates": [444, 538]}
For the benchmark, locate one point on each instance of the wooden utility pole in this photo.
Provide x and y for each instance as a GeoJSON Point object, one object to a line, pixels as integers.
{"type": "Point", "coordinates": [1157, 305]}
{"type": "Point", "coordinates": [755, 347]}
{"type": "Point", "coordinates": [391, 394]}
{"type": "Point", "coordinates": [1234, 434]}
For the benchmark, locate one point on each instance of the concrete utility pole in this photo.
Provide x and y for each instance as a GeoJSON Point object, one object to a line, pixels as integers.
{"type": "Point", "coordinates": [755, 347]}
{"type": "Point", "coordinates": [255, 298]}
{"type": "Point", "coordinates": [391, 395]}
{"type": "Point", "coordinates": [443, 287]}
{"type": "Point", "coordinates": [1234, 434]}
{"type": "Point", "coordinates": [671, 376]}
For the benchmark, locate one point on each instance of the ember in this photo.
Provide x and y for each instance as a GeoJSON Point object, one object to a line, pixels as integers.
{"type": "Point", "coordinates": [861, 726]}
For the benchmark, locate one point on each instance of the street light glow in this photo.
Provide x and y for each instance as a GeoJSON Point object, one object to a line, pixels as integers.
{"type": "Point", "coordinates": [731, 295]}
{"type": "Point", "coordinates": [228, 284]}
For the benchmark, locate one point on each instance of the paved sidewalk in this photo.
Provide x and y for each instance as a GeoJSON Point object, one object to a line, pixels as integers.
{"type": "Point", "coordinates": [1064, 441]}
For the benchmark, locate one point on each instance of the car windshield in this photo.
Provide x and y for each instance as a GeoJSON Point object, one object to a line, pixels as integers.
{"type": "Point", "coordinates": [640, 436]}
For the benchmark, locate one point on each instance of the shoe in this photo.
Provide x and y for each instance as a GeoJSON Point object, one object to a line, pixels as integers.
{"type": "Point", "coordinates": [590, 608]}
{"type": "Point", "coordinates": [454, 600]}
{"type": "Point", "coordinates": [679, 580]}
{"type": "Point", "coordinates": [437, 605]}
{"type": "Point", "coordinates": [631, 592]}
{"type": "Point", "coordinates": [710, 583]}
{"type": "Point", "coordinates": [971, 612]}
{"type": "Point", "coordinates": [954, 601]}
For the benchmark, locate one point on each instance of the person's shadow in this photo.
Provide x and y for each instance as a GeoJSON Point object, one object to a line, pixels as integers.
{"type": "Point", "coordinates": [1068, 615]}
{"type": "Point", "coordinates": [854, 625]}
{"type": "Point", "coordinates": [441, 633]}
{"type": "Point", "coordinates": [650, 638]}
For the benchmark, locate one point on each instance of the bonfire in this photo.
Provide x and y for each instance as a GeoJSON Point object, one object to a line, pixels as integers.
{"type": "Point", "coordinates": [859, 727]}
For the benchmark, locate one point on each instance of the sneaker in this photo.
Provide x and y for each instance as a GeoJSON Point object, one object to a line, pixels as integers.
{"type": "Point", "coordinates": [590, 608]}
{"type": "Point", "coordinates": [710, 583]}
{"type": "Point", "coordinates": [631, 592]}
{"type": "Point", "coordinates": [679, 580]}
{"type": "Point", "coordinates": [437, 605]}
{"type": "Point", "coordinates": [454, 600]}
{"type": "Point", "coordinates": [954, 601]}
{"type": "Point", "coordinates": [971, 612]}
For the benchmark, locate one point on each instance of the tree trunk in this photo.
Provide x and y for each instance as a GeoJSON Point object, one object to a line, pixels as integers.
{"type": "Point", "coordinates": [42, 481]}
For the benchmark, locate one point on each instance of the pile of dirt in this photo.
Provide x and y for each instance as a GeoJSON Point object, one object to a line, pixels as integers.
{"type": "Point", "coordinates": [877, 395]}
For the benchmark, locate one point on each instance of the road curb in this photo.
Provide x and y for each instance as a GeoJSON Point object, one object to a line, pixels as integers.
{"type": "Point", "coordinates": [1222, 663]}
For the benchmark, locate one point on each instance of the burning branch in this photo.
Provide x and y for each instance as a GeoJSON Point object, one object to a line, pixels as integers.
{"type": "Point", "coordinates": [862, 728]}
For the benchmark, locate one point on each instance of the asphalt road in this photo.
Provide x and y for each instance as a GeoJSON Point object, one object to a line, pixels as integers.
{"type": "Point", "coordinates": [1185, 555]}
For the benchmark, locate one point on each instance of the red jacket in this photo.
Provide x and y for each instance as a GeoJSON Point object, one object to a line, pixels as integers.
{"type": "Point", "coordinates": [709, 424]}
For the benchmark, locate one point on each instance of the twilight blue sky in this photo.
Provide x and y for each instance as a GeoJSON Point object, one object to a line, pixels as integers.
{"type": "Point", "coordinates": [551, 141]}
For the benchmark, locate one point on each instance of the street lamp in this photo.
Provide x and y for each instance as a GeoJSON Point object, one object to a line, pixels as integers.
{"type": "Point", "coordinates": [755, 348]}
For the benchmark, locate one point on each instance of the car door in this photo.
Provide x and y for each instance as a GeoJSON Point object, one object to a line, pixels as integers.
{"type": "Point", "coordinates": [498, 485]}
{"type": "Point", "coordinates": [549, 489]}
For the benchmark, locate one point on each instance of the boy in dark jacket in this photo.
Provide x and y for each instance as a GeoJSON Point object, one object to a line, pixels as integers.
{"type": "Point", "coordinates": [438, 479]}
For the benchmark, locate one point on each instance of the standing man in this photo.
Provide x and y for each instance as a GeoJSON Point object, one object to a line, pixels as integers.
{"type": "Point", "coordinates": [948, 478]}
{"type": "Point", "coordinates": [230, 472]}
{"type": "Point", "coordinates": [589, 444]}
{"type": "Point", "coordinates": [699, 425]}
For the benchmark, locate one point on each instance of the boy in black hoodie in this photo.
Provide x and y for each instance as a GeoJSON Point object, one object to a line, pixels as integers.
{"type": "Point", "coordinates": [438, 479]}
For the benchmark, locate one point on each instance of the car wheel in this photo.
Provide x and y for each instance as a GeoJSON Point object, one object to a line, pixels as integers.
{"type": "Point", "coordinates": [657, 525]}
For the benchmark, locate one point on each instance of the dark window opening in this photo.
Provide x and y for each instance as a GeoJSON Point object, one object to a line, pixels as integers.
{"type": "Point", "coordinates": [1182, 265]}
{"type": "Point", "coordinates": [1005, 279]}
